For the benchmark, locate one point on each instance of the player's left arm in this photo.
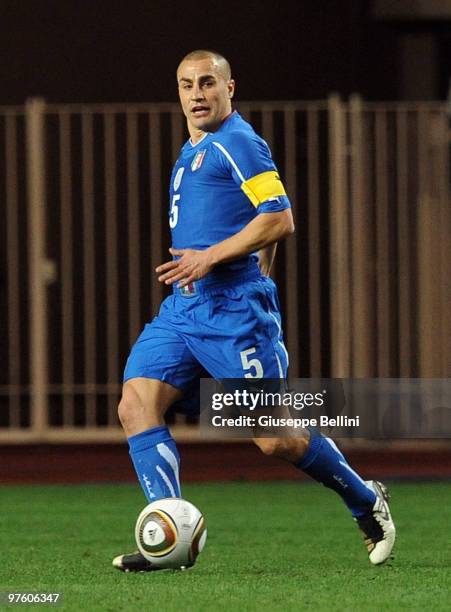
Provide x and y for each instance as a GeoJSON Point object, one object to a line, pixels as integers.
{"type": "Point", "coordinates": [248, 161]}
{"type": "Point", "coordinates": [262, 231]}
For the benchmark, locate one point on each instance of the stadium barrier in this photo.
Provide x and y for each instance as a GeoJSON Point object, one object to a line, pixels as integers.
{"type": "Point", "coordinates": [364, 283]}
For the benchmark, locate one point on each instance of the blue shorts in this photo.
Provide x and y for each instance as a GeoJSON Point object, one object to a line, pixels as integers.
{"type": "Point", "coordinates": [229, 331]}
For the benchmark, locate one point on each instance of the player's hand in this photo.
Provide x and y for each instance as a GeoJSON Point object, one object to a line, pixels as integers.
{"type": "Point", "coordinates": [191, 266]}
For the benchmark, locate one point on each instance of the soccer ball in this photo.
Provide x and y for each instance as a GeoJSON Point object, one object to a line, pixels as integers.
{"type": "Point", "coordinates": [170, 533]}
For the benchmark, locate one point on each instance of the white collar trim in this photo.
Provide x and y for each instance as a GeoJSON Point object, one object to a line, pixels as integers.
{"type": "Point", "coordinates": [199, 141]}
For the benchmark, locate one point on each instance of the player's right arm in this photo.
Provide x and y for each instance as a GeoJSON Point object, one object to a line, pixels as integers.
{"type": "Point", "coordinates": [266, 258]}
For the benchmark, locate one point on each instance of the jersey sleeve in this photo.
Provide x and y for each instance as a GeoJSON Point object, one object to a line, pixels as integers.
{"type": "Point", "coordinates": [249, 161]}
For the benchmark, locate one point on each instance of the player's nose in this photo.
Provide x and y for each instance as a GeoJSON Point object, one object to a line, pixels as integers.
{"type": "Point", "coordinates": [196, 93]}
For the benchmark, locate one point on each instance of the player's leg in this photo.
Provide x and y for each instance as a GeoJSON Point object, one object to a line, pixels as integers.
{"type": "Point", "coordinates": [159, 366]}
{"type": "Point", "coordinates": [152, 447]}
{"type": "Point", "coordinates": [308, 451]}
{"type": "Point", "coordinates": [320, 458]}
{"type": "Point", "coordinates": [255, 349]}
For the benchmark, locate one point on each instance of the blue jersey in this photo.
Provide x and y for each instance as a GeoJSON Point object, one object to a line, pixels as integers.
{"type": "Point", "coordinates": [219, 185]}
{"type": "Point", "coordinates": [228, 323]}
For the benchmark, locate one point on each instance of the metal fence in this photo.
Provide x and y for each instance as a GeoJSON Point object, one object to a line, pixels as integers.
{"type": "Point", "coordinates": [364, 283]}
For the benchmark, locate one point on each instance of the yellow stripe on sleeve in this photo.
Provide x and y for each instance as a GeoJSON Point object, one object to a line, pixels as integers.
{"type": "Point", "coordinates": [263, 187]}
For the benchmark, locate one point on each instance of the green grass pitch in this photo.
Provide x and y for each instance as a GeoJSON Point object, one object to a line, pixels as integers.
{"type": "Point", "coordinates": [271, 546]}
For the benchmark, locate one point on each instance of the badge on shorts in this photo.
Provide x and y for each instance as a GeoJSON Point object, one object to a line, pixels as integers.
{"type": "Point", "coordinates": [188, 290]}
{"type": "Point", "coordinates": [198, 159]}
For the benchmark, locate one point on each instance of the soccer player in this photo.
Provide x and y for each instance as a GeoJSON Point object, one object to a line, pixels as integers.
{"type": "Point", "coordinates": [227, 203]}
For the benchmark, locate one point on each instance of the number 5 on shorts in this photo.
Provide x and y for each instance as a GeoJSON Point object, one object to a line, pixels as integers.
{"type": "Point", "coordinates": [251, 363]}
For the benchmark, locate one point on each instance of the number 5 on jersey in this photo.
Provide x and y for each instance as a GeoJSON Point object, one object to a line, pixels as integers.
{"type": "Point", "coordinates": [174, 212]}
{"type": "Point", "coordinates": [251, 364]}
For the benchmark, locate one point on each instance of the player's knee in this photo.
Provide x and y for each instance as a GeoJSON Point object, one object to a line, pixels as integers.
{"type": "Point", "coordinates": [128, 409]}
{"type": "Point", "coordinates": [268, 446]}
{"type": "Point", "coordinates": [123, 411]}
{"type": "Point", "coordinates": [290, 449]}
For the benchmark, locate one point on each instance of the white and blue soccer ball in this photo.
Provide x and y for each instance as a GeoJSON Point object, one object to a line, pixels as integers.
{"type": "Point", "coordinates": [170, 533]}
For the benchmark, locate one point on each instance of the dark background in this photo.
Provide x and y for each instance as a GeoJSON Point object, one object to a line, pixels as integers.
{"type": "Point", "coordinates": [107, 51]}
{"type": "Point", "coordinates": [102, 51]}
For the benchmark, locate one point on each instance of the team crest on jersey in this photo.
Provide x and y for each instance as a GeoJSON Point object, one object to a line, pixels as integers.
{"type": "Point", "coordinates": [198, 159]}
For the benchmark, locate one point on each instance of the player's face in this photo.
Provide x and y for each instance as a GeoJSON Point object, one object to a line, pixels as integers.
{"type": "Point", "coordinates": [205, 94]}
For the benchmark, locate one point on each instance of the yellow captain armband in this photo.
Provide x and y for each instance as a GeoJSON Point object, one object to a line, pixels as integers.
{"type": "Point", "coordinates": [263, 187]}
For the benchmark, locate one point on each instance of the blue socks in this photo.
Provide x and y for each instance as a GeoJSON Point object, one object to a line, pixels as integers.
{"type": "Point", "coordinates": [157, 462]}
{"type": "Point", "coordinates": [326, 464]}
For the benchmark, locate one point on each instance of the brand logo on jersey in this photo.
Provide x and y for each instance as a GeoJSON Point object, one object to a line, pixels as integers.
{"type": "Point", "coordinates": [178, 178]}
{"type": "Point", "coordinates": [198, 159]}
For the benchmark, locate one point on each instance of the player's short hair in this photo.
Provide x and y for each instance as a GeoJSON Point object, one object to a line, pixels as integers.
{"type": "Point", "coordinates": [199, 54]}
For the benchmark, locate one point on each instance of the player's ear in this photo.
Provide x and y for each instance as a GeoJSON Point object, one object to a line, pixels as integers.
{"type": "Point", "coordinates": [231, 87]}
